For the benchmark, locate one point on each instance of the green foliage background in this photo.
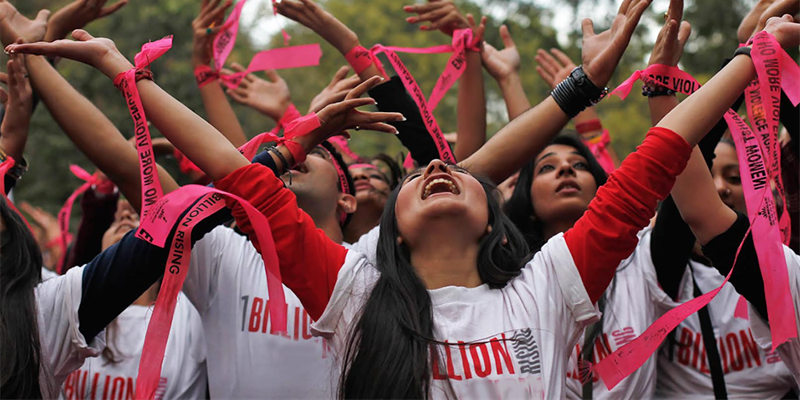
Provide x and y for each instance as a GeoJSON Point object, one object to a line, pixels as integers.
{"type": "Point", "coordinates": [49, 152]}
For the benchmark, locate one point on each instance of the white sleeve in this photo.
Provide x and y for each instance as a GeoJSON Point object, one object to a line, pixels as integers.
{"type": "Point", "coordinates": [354, 284]}
{"type": "Point", "coordinates": [367, 245]}
{"type": "Point", "coordinates": [552, 274]}
{"type": "Point", "coordinates": [789, 351]}
{"type": "Point", "coordinates": [64, 346]}
{"type": "Point", "coordinates": [203, 276]}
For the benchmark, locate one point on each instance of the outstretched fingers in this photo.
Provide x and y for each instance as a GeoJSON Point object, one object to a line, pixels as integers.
{"type": "Point", "coordinates": [363, 87]}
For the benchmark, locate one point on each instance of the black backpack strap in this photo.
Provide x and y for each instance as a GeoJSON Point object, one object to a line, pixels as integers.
{"type": "Point", "coordinates": [591, 334]}
{"type": "Point", "coordinates": [710, 343]}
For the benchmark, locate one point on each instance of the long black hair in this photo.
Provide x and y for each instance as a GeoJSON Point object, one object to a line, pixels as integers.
{"type": "Point", "coordinates": [20, 272]}
{"type": "Point", "coordinates": [388, 351]}
{"type": "Point", "coordinates": [519, 207]}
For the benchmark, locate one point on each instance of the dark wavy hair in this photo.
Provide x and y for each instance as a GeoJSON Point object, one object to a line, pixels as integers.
{"type": "Point", "coordinates": [20, 271]}
{"type": "Point", "coordinates": [519, 207]}
{"type": "Point", "coordinates": [388, 352]}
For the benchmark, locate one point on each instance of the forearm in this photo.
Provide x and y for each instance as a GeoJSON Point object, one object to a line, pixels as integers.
{"type": "Point", "coordinates": [12, 141]}
{"type": "Point", "coordinates": [661, 106]}
{"type": "Point", "coordinates": [90, 130]}
{"type": "Point", "coordinates": [518, 141]}
{"type": "Point", "coordinates": [514, 95]}
{"type": "Point", "coordinates": [696, 115]}
{"type": "Point", "coordinates": [220, 113]}
{"type": "Point", "coordinates": [192, 135]}
{"type": "Point", "coordinates": [471, 121]}
{"type": "Point", "coordinates": [698, 201]}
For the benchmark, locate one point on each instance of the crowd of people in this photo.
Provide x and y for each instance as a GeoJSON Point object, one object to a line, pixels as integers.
{"type": "Point", "coordinates": [528, 265]}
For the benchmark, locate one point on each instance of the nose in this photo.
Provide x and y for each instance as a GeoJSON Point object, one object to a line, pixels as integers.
{"type": "Point", "coordinates": [565, 168]}
{"type": "Point", "coordinates": [360, 175]}
{"type": "Point", "coordinates": [435, 167]}
{"type": "Point", "coordinates": [722, 187]}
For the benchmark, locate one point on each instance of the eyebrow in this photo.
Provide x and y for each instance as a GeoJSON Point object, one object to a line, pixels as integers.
{"type": "Point", "coordinates": [577, 153]}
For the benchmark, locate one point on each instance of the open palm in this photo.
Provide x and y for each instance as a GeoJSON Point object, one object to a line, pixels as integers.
{"type": "Point", "coordinates": [602, 52]}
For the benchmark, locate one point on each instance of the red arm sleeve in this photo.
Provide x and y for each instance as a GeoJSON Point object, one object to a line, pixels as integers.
{"type": "Point", "coordinates": [309, 260]}
{"type": "Point", "coordinates": [606, 234]}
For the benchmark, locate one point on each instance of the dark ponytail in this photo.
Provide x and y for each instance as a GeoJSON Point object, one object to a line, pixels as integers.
{"type": "Point", "coordinates": [388, 351]}
{"type": "Point", "coordinates": [20, 272]}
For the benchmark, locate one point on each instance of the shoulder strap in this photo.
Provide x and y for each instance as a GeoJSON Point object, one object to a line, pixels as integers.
{"type": "Point", "coordinates": [710, 343]}
{"type": "Point", "coordinates": [591, 334]}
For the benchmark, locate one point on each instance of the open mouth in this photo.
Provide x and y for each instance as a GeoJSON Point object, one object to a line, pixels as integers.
{"type": "Point", "coordinates": [439, 185]}
{"type": "Point", "coordinates": [568, 186]}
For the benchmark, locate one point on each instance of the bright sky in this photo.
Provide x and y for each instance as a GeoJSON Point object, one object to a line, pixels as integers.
{"type": "Point", "coordinates": [563, 16]}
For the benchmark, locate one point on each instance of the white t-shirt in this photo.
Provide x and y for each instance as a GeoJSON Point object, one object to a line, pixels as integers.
{"type": "Point", "coordinates": [750, 371]}
{"type": "Point", "coordinates": [183, 373]}
{"type": "Point", "coordinates": [63, 346]}
{"type": "Point", "coordinates": [634, 300]}
{"type": "Point", "coordinates": [543, 310]}
{"type": "Point", "coordinates": [227, 284]}
{"type": "Point", "coordinates": [789, 351]}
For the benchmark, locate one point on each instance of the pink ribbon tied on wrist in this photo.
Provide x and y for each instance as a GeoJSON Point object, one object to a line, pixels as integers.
{"type": "Point", "coordinates": [298, 127]}
{"type": "Point", "coordinates": [66, 211]}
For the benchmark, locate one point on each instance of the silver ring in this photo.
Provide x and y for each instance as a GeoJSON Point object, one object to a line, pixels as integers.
{"type": "Point", "coordinates": [358, 128]}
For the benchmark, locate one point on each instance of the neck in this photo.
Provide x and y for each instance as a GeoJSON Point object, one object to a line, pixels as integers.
{"type": "Point", "coordinates": [444, 260]}
{"type": "Point", "coordinates": [559, 226]}
{"type": "Point", "coordinates": [362, 221]}
{"type": "Point", "coordinates": [330, 225]}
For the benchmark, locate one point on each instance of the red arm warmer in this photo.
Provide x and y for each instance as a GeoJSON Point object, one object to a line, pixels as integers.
{"type": "Point", "coordinates": [606, 234]}
{"type": "Point", "coordinates": [309, 260]}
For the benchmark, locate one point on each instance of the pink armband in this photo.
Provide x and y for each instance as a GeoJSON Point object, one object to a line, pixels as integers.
{"type": "Point", "coordinates": [205, 75]}
{"type": "Point", "coordinates": [360, 59]}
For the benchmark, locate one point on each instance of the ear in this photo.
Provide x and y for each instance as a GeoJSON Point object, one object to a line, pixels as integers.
{"type": "Point", "coordinates": [347, 203]}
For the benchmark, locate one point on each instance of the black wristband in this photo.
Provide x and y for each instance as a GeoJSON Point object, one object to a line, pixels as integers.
{"type": "Point", "coordinates": [743, 50]}
{"type": "Point", "coordinates": [575, 93]}
{"type": "Point", "coordinates": [286, 167]}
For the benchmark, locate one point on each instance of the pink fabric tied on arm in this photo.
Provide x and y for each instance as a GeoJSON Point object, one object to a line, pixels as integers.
{"type": "Point", "coordinates": [763, 217]}
{"type": "Point", "coordinates": [66, 211]}
{"type": "Point", "coordinates": [299, 127]}
{"type": "Point", "coordinates": [161, 213]}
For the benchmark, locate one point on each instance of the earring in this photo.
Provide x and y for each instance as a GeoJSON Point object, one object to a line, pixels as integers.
{"type": "Point", "coordinates": [399, 240]}
{"type": "Point", "coordinates": [488, 229]}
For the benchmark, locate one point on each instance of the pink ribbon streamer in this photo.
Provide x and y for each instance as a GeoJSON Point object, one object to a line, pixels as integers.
{"type": "Point", "coordinates": [66, 211]}
{"type": "Point", "coordinates": [281, 58]}
{"type": "Point", "coordinates": [226, 38]}
{"type": "Point", "coordinates": [204, 201]}
{"type": "Point", "coordinates": [298, 127]}
{"type": "Point", "coordinates": [763, 223]}
{"type": "Point", "coordinates": [126, 81]}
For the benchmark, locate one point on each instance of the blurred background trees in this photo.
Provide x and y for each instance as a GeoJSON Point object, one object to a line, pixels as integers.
{"type": "Point", "coordinates": [534, 24]}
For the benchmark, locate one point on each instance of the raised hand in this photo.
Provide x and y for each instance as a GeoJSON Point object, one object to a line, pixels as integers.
{"type": "Point", "coordinates": [553, 68]}
{"type": "Point", "coordinates": [203, 34]}
{"type": "Point", "coordinates": [748, 25]}
{"type": "Point", "coordinates": [78, 14]}
{"type": "Point", "coordinates": [269, 97]}
{"type": "Point", "coordinates": [778, 9]}
{"type": "Point", "coordinates": [785, 30]}
{"type": "Point", "coordinates": [602, 52]}
{"type": "Point", "coordinates": [15, 26]}
{"type": "Point", "coordinates": [442, 15]}
{"type": "Point", "coordinates": [18, 103]}
{"type": "Point", "coordinates": [336, 91]}
{"type": "Point", "coordinates": [312, 16]}
{"type": "Point", "coordinates": [671, 38]}
{"type": "Point", "coordinates": [501, 64]}
{"type": "Point", "coordinates": [337, 117]}
{"type": "Point", "coordinates": [100, 53]}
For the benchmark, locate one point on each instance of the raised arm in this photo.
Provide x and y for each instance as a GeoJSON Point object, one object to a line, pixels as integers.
{"type": "Point", "coordinates": [269, 97]}
{"type": "Point", "coordinates": [218, 109]}
{"type": "Point", "coordinates": [18, 104]}
{"type": "Point", "coordinates": [503, 66]}
{"type": "Point", "coordinates": [528, 134]}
